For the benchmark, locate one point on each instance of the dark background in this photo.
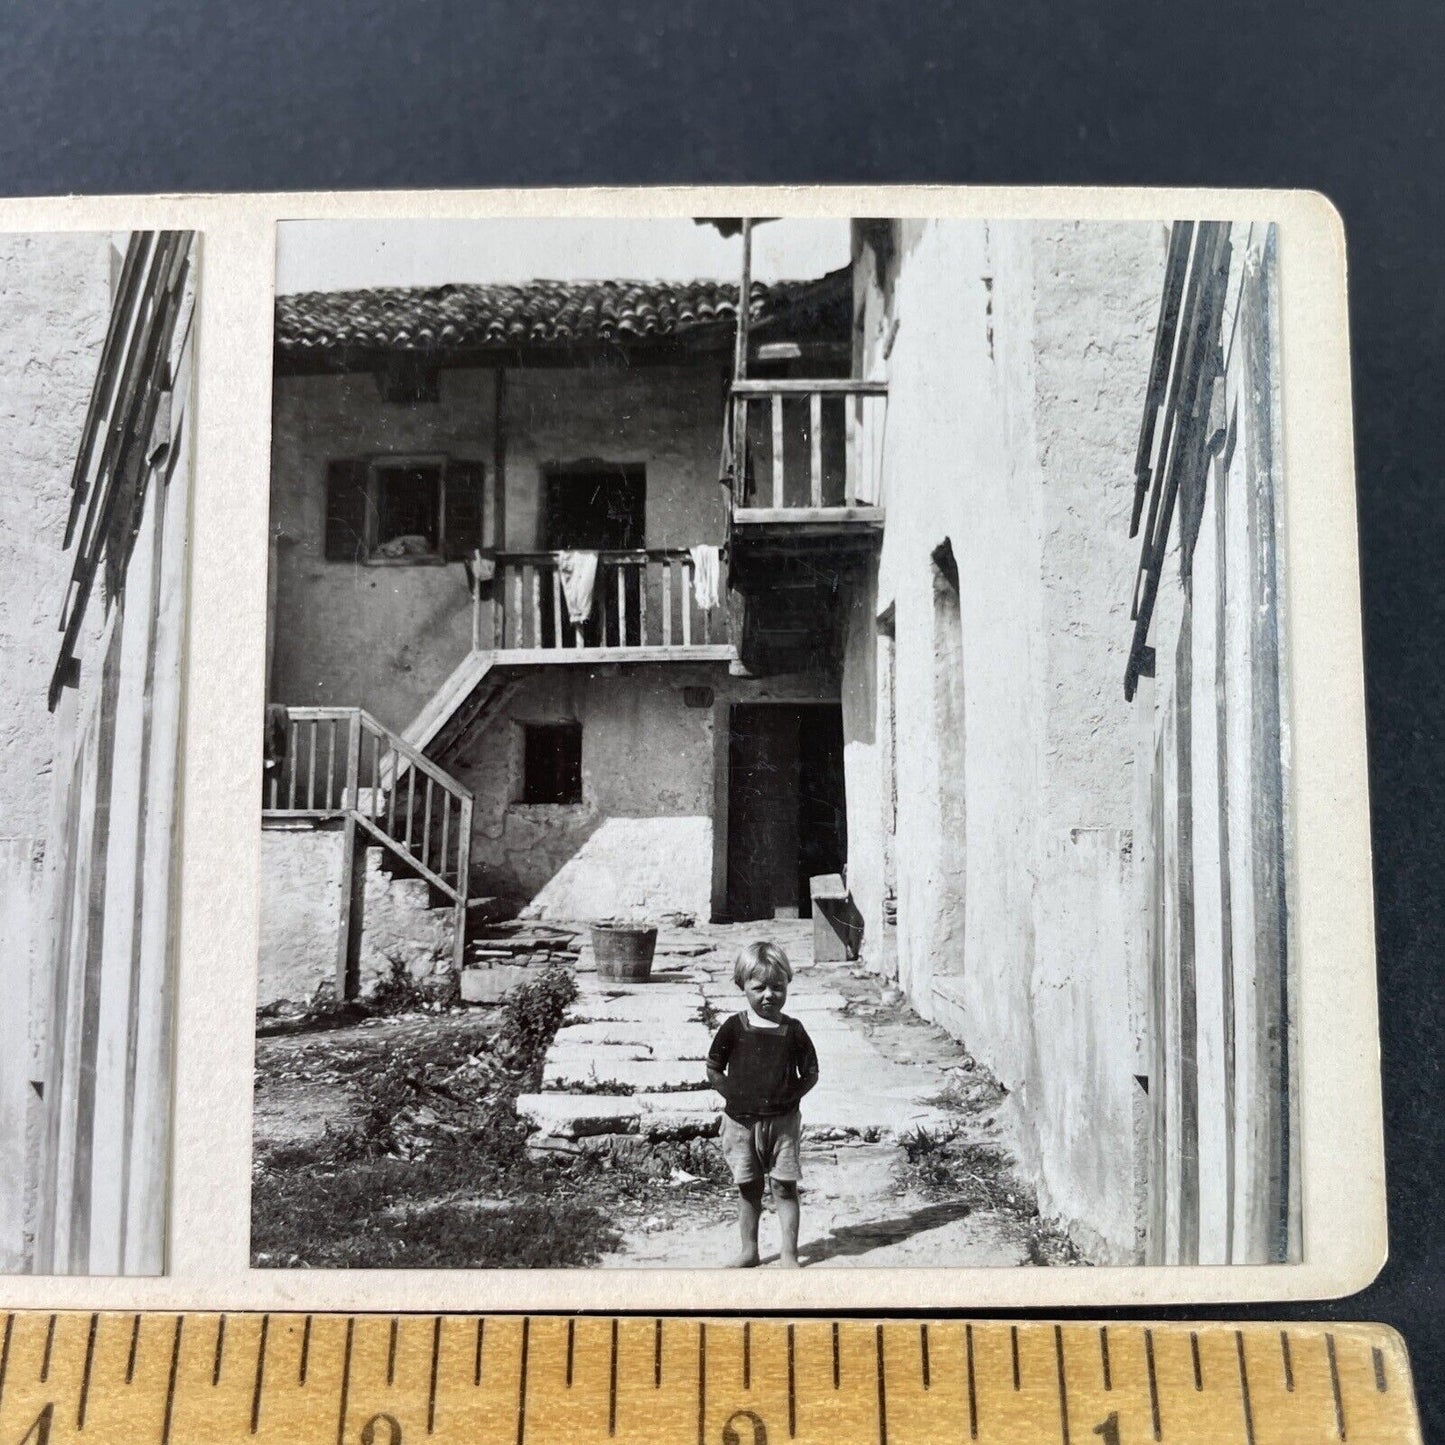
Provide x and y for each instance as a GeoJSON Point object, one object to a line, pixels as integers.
{"type": "Point", "coordinates": [107, 96]}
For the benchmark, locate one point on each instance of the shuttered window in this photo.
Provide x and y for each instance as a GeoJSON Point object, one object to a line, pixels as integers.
{"type": "Point", "coordinates": [401, 509]}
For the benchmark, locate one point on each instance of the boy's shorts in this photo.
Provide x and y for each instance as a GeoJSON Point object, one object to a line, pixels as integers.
{"type": "Point", "coordinates": [769, 1146]}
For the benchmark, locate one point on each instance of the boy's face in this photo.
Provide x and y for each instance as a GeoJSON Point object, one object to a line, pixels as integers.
{"type": "Point", "coordinates": [766, 994]}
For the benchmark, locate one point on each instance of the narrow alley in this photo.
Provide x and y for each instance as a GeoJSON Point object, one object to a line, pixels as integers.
{"type": "Point", "coordinates": [906, 1148]}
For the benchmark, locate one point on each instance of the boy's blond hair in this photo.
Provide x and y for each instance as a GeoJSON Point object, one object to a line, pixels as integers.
{"type": "Point", "coordinates": [759, 960]}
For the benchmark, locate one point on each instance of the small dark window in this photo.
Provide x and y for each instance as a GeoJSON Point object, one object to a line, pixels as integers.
{"type": "Point", "coordinates": [408, 505]}
{"type": "Point", "coordinates": [403, 508]}
{"type": "Point", "coordinates": [552, 763]}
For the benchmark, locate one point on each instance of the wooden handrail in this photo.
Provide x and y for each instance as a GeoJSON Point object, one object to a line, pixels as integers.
{"type": "Point", "coordinates": [319, 776]}
{"type": "Point", "coordinates": [638, 594]}
{"type": "Point", "coordinates": [606, 554]}
{"type": "Point", "coordinates": [797, 386]}
{"type": "Point", "coordinates": [417, 759]}
{"type": "Point", "coordinates": [849, 410]}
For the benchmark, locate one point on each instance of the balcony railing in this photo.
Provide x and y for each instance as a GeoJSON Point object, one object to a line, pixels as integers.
{"type": "Point", "coordinates": [806, 445]}
{"type": "Point", "coordinates": [340, 762]}
{"type": "Point", "coordinates": [643, 604]}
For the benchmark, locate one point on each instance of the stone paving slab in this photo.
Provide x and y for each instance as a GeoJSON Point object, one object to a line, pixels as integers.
{"type": "Point", "coordinates": [682, 1043]}
{"type": "Point", "coordinates": [582, 1072]}
{"type": "Point", "coordinates": [577, 1116]}
{"type": "Point", "coordinates": [689, 1045]}
{"type": "Point", "coordinates": [656, 1013]}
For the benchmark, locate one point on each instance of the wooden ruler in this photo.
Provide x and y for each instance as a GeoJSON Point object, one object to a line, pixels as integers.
{"type": "Point", "coordinates": [164, 1379]}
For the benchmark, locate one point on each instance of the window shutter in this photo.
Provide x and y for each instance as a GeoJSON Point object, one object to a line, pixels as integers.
{"type": "Point", "coordinates": [463, 509]}
{"type": "Point", "coordinates": [346, 508]}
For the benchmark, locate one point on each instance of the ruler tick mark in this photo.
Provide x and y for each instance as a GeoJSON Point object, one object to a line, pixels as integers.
{"type": "Point", "coordinates": [972, 1384]}
{"type": "Point", "coordinates": [1288, 1361]}
{"type": "Point", "coordinates": [837, 1362]}
{"type": "Point", "coordinates": [391, 1351]}
{"type": "Point", "coordinates": [1013, 1335]}
{"type": "Point", "coordinates": [260, 1372]}
{"type": "Point", "coordinates": [1335, 1387]}
{"type": "Point", "coordinates": [747, 1355]}
{"type": "Point", "coordinates": [882, 1390]}
{"type": "Point", "coordinates": [134, 1342]}
{"type": "Point", "coordinates": [345, 1382]}
{"type": "Point", "coordinates": [49, 1346]}
{"type": "Point", "coordinates": [522, 1384]}
{"type": "Point", "coordinates": [5, 1353]}
{"type": "Point", "coordinates": [1378, 1356]}
{"type": "Point", "coordinates": [436, 1358]}
{"type": "Point", "coordinates": [1063, 1384]}
{"type": "Point", "coordinates": [1244, 1388]}
{"type": "Point", "coordinates": [171, 1381]}
{"type": "Point", "coordinates": [701, 1381]}
{"type": "Point", "coordinates": [611, 1379]}
{"type": "Point", "coordinates": [1153, 1383]}
{"type": "Point", "coordinates": [305, 1350]}
{"type": "Point", "coordinates": [477, 1362]}
{"type": "Point", "coordinates": [85, 1378]}
{"type": "Point", "coordinates": [1104, 1356]}
{"type": "Point", "coordinates": [792, 1386]}
{"type": "Point", "coordinates": [923, 1355]}
{"type": "Point", "coordinates": [571, 1338]}
{"type": "Point", "coordinates": [1194, 1352]}
{"type": "Point", "coordinates": [657, 1354]}
{"type": "Point", "coordinates": [220, 1350]}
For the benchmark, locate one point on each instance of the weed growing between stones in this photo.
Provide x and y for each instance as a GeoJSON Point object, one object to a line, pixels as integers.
{"type": "Point", "coordinates": [942, 1164]}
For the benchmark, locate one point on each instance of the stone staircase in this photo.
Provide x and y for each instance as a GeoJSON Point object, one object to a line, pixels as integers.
{"type": "Point", "coordinates": [501, 955]}
{"type": "Point", "coordinates": [627, 1063]}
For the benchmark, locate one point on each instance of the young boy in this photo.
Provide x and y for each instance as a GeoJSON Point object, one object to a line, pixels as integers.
{"type": "Point", "coordinates": [762, 1062]}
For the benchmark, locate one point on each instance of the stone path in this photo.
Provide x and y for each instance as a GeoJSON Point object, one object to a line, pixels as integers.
{"type": "Point", "coordinates": [628, 1062]}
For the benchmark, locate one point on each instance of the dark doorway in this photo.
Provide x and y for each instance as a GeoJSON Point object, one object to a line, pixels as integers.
{"type": "Point", "coordinates": [787, 819]}
{"type": "Point", "coordinates": [589, 507]}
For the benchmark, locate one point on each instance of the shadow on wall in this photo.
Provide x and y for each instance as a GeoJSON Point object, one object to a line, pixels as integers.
{"type": "Point", "coordinates": [630, 865]}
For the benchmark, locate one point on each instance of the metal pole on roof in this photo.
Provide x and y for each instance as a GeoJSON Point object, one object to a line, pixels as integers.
{"type": "Point", "coordinates": [745, 295]}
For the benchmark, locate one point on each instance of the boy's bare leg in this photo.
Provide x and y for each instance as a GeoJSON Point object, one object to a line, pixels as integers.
{"type": "Point", "coordinates": [785, 1201]}
{"type": "Point", "coordinates": [750, 1211]}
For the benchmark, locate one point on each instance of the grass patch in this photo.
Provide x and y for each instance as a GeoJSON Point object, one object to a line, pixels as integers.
{"type": "Point", "coordinates": [434, 1172]}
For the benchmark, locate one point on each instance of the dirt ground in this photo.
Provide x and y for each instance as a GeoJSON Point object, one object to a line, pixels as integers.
{"type": "Point", "coordinates": [943, 1193]}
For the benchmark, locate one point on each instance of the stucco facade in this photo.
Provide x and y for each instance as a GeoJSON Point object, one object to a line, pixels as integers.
{"type": "Point", "coordinates": [999, 793]}
{"type": "Point", "coordinates": [649, 831]}
{"type": "Point", "coordinates": [386, 637]}
{"type": "Point", "coordinates": [54, 303]}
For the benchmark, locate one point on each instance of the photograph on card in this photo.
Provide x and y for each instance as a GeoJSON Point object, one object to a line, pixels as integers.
{"type": "Point", "coordinates": [799, 781]}
{"type": "Point", "coordinates": [96, 360]}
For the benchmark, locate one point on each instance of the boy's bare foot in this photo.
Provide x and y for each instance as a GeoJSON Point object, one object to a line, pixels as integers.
{"type": "Point", "coordinates": [790, 1261]}
{"type": "Point", "coordinates": [748, 1259]}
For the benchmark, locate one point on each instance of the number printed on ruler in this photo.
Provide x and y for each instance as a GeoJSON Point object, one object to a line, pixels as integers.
{"type": "Point", "coordinates": [386, 1380]}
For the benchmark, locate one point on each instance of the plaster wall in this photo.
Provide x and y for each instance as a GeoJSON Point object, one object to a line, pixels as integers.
{"type": "Point", "coordinates": [54, 307]}
{"type": "Point", "coordinates": [386, 637]}
{"type": "Point", "coordinates": [399, 926]}
{"type": "Point", "coordinates": [651, 826]}
{"type": "Point", "coordinates": [301, 869]}
{"type": "Point", "coordinates": [1016, 356]}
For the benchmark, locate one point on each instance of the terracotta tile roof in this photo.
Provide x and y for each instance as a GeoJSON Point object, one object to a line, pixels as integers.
{"type": "Point", "coordinates": [542, 313]}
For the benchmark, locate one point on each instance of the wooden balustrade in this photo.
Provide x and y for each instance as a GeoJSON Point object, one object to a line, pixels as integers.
{"type": "Point", "coordinates": [642, 601]}
{"type": "Point", "coordinates": [340, 762]}
{"type": "Point", "coordinates": [807, 444]}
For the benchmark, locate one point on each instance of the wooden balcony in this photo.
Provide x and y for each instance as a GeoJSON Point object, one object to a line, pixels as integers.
{"type": "Point", "coordinates": [805, 463]}
{"type": "Point", "coordinates": [644, 609]}
{"type": "Point", "coordinates": [806, 455]}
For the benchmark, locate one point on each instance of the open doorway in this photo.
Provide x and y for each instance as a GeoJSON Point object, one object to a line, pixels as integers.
{"type": "Point", "coordinates": [592, 507]}
{"type": "Point", "coordinates": [787, 814]}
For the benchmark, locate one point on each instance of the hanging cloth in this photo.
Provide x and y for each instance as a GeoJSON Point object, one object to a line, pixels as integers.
{"type": "Point", "coordinates": [706, 574]}
{"type": "Point", "coordinates": [578, 572]}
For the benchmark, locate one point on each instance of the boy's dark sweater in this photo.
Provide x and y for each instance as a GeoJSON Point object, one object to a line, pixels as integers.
{"type": "Point", "coordinates": [765, 1068]}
